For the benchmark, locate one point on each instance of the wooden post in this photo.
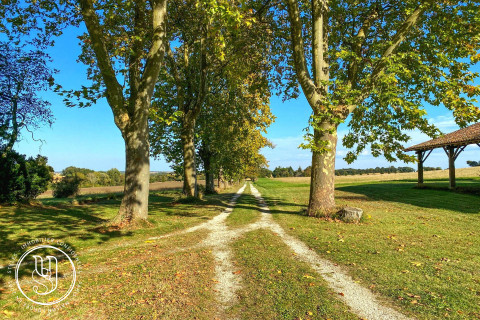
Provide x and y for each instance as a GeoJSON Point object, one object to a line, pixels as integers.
{"type": "Point", "coordinates": [420, 168]}
{"type": "Point", "coordinates": [451, 166]}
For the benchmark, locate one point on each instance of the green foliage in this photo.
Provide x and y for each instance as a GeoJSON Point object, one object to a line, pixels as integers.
{"type": "Point", "coordinates": [473, 163]}
{"type": "Point", "coordinates": [383, 65]}
{"type": "Point", "coordinates": [23, 74]}
{"type": "Point", "coordinates": [68, 186]}
{"type": "Point", "coordinates": [23, 179]}
{"type": "Point", "coordinates": [391, 169]}
{"type": "Point", "coordinates": [165, 176]}
{"type": "Point", "coordinates": [217, 44]}
{"type": "Point", "coordinates": [264, 173]}
{"type": "Point", "coordinates": [115, 176]}
{"type": "Point", "coordinates": [91, 178]}
{"type": "Point", "coordinates": [280, 172]}
{"type": "Point", "coordinates": [40, 175]}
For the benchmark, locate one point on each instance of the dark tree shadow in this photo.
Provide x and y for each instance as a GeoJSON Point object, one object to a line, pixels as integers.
{"type": "Point", "coordinates": [404, 192]}
{"type": "Point", "coordinates": [23, 223]}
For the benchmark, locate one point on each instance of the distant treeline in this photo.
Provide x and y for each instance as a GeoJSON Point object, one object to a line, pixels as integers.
{"type": "Point", "coordinates": [473, 163]}
{"type": "Point", "coordinates": [112, 177]}
{"type": "Point", "coordinates": [280, 172]}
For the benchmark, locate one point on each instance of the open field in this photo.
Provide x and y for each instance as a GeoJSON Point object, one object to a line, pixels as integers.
{"type": "Point", "coordinates": [437, 174]}
{"type": "Point", "coordinates": [417, 251]}
{"type": "Point", "coordinates": [155, 186]}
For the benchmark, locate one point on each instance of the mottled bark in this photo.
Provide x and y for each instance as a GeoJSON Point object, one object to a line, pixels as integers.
{"type": "Point", "coordinates": [137, 171]}
{"type": "Point", "coordinates": [322, 188]}
{"type": "Point", "coordinates": [131, 113]}
{"type": "Point", "coordinates": [189, 169]}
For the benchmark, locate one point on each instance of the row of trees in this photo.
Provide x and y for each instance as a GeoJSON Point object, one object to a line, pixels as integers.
{"type": "Point", "coordinates": [112, 177]}
{"type": "Point", "coordinates": [202, 72]}
{"type": "Point", "coordinates": [280, 172]}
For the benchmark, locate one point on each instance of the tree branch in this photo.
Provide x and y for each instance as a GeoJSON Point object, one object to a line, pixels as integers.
{"type": "Point", "coordinates": [157, 50]}
{"type": "Point", "coordinates": [114, 90]}
{"type": "Point", "coordinates": [357, 45]}
{"type": "Point", "coordinates": [202, 86]}
{"type": "Point", "coordinates": [397, 39]}
{"type": "Point", "coordinates": [178, 83]}
{"type": "Point", "coordinates": [136, 52]}
{"type": "Point", "coordinates": [319, 43]}
{"type": "Point", "coordinates": [300, 62]}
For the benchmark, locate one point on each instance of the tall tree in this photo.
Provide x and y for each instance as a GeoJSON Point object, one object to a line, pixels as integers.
{"type": "Point", "coordinates": [378, 62]}
{"type": "Point", "coordinates": [132, 36]}
{"type": "Point", "coordinates": [23, 74]}
{"type": "Point", "coordinates": [200, 38]}
{"type": "Point", "coordinates": [123, 48]}
{"type": "Point", "coordinates": [240, 113]}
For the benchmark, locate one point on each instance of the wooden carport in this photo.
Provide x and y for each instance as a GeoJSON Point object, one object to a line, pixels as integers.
{"type": "Point", "coordinates": [453, 144]}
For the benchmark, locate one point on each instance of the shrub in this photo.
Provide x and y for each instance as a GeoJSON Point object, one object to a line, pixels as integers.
{"type": "Point", "coordinates": [68, 186]}
{"type": "Point", "coordinates": [22, 179]}
{"type": "Point", "coordinates": [40, 176]}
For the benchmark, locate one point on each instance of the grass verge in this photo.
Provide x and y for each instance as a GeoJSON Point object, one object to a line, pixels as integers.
{"type": "Point", "coordinates": [276, 286]}
{"type": "Point", "coordinates": [419, 249]}
{"type": "Point", "coordinates": [245, 211]}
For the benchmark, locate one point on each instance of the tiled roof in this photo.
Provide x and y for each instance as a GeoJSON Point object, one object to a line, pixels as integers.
{"type": "Point", "coordinates": [462, 137]}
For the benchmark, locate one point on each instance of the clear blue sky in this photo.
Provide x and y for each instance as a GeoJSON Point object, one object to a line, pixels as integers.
{"type": "Point", "coordinates": [89, 138]}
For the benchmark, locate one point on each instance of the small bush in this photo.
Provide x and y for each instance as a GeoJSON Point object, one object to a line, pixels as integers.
{"type": "Point", "coordinates": [68, 186]}
{"type": "Point", "coordinates": [22, 179]}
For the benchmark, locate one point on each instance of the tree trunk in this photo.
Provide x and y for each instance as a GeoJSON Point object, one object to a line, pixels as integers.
{"type": "Point", "coordinates": [322, 187]}
{"type": "Point", "coordinates": [220, 179]}
{"type": "Point", "coordinates": [137, 173]}
{"type": "Point", "coordinates": [209, 180]}
{"type": "Point", "coordinates": [189, 170]}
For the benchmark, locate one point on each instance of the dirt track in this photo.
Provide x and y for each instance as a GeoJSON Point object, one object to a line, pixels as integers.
{"type": "Point", "coordinates": [115, 189]}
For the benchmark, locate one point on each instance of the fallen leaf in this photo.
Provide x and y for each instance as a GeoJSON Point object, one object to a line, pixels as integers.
{"type": "Point", "coordinates": [8, 313]}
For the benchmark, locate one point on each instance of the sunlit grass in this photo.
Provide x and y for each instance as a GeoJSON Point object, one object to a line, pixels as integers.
{"type": "Point", "coordinates": [419, 249]}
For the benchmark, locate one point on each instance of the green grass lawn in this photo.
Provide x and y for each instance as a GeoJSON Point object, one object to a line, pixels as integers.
{"type": "Point", "coordinates": [277, 286]}
{"type": "Point", "coordinates": [245, 211]}
{"type": "Point", "coordinates": [84, 226]}
{"type": "Point", "coordinates": [106, 253]}
{"type": "Point", "coordinates": [417, 248]}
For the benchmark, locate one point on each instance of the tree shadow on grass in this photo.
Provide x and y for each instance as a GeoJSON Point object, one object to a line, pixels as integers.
{"type": "Point", "coordinates": [23, 223]}
{"type": "Point", "coordinates": [425, 198]}
{"type": "Point", "coordinates": [186, 207]}
{"type": "Point", "coordinates": [275, 204]}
